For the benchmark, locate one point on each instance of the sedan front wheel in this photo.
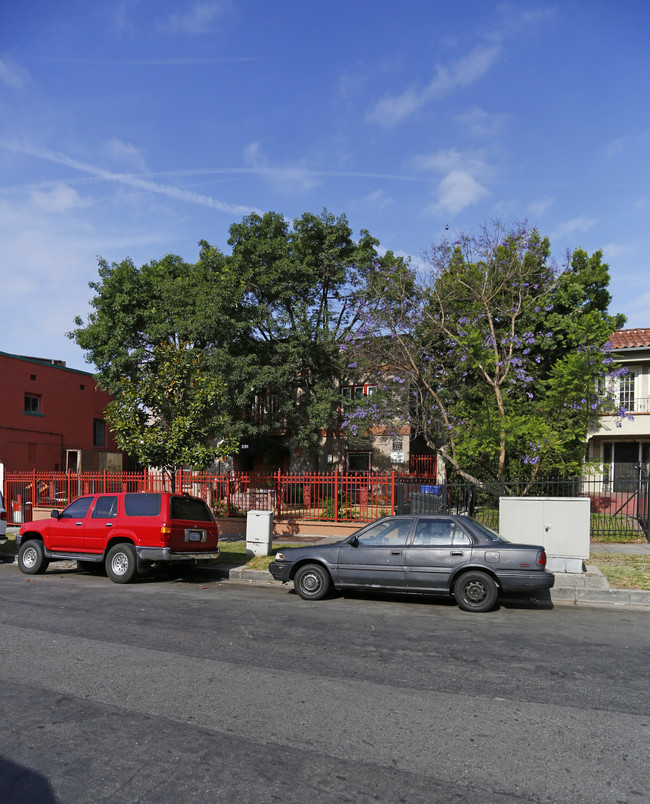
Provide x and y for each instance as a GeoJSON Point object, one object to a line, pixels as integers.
{"type": "Point", "coordinates": [312, 582]}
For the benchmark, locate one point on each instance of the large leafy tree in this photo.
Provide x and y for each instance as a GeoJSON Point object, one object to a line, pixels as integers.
{"type": "Point", "coordinates": [302, 299]}
{"type": "Point", "coordinates": [173, 414]}
{"type": "Point", "coordinates": [268, 320]}
{"type": "Point", "coordinates": [165, 301]}
{"type": "Point", "coordinates": [496, 353]}
{"type": "Point", "coordinates": [152, 336]}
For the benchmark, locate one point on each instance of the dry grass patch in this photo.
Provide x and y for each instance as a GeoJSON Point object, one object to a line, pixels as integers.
{"type": "Point", "coordinates": [624, 570]}
{"type": "Point", "coordinates": [235, 553]}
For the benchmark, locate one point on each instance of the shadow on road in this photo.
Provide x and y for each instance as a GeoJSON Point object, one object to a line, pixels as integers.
{"type": "Point", "coordinates": [21, 785]}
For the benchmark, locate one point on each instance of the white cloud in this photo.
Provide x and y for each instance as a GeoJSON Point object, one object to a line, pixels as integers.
{"type": "Point", "coordinates": [571, 227]}
{"type": "Point", "coordinates": [539, 206]}
{"type": "Point", "coordinates": [378, 199]}
{"type": "Point", "coordinates": [130, 180]}
{"type": "Point", "coordinates": [199, 19]}
{"type": "Point", "coordinates": [613, 250]}
{"type": "Point", "coordinates": [480, 123]}
{"type": "Point", "coordinates": [60, 198]}
{"type": "Point", "coordinates": [392, 110]}
{"type": "Point", "coordinates": [637, 311]}
{"type": "Point", "coordinates": [512, 22]}
{"type": "Point", "coordinates": [460, 186]}
{"type": "Point", "coordinates": [122, 153]}
{"type": "Point", "coordinates": [12, 75]}
{"type": "Point", "coordinates": [453, 159]}
{"type": "Point", "coordinates": [458, 190]}
{"type": "Point", "coordinates": [289, 178]}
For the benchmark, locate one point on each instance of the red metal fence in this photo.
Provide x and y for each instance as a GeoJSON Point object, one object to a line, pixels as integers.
{"type": "Point", "coordinates": [330, 497]}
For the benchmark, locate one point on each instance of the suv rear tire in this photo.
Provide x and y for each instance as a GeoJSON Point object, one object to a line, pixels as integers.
{"type": "Point", "coordinates": [121, 563]}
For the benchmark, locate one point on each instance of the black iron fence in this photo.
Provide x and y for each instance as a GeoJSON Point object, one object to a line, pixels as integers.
{"type": "Point", "coordinates": [616, 514]}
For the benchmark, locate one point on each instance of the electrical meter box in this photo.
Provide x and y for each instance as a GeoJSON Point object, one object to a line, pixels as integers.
{"type": "Point", "coordinates": [259, 532]}
{"type": "Point", "coordinates": [560, 524]}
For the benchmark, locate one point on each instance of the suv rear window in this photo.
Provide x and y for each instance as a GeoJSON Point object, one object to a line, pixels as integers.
{"type": "Point", "coordinates": [188, 508]}
{"type": "Point", "coordinates": [142, 504]}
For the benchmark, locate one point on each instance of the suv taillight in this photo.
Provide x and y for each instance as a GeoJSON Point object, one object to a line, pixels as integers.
{"type": "Point", "coordinates": [541, 558]}
{"type": "Point", "coordinates": [165, 534]}
{"type": "Point", "coordinates": [3, 515]}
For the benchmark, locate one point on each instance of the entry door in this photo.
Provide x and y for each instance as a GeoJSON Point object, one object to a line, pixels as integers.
{"type": "Point", "coordinates": [377, 557]}
{"type": "Point", "coordinates": [626, 457]}
{"type": "Point", "coordinates": [439, 546]}
{"type": "Point", "coordinates": [67, 532]}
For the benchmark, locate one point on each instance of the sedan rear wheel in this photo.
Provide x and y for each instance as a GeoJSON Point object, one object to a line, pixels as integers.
{"type": "Point", "coordinates": [312, 582]}
{"type": "Point", "coordinates": [476, 591]}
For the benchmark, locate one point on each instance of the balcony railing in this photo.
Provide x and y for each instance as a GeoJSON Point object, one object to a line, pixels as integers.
{"type": "Point", "coordinates": [638, 405]}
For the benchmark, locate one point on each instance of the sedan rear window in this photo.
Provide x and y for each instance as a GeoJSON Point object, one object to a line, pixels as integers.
{"type": "Point", "coordinates": [492, 535]}
{"type": "Point", "coordinates": [189, 508]}
{"type": "Point", "coordinates": [142, 504]}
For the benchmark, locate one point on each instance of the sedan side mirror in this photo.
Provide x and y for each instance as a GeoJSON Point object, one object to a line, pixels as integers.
{"type": "Point", "coordinates": [54, 514]}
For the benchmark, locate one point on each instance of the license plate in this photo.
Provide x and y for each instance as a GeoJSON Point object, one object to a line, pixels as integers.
{"type": "Point", "coordinates": [195, 535]}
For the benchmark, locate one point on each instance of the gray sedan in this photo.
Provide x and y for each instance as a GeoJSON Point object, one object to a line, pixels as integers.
{"type": "Point", "coordinates": [428, 554]}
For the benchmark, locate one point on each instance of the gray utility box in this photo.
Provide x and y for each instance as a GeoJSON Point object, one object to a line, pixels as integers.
{"type": "Point", "coordinates": [560, 524]}
{"type": "Point", "coordinates": [259, 532]}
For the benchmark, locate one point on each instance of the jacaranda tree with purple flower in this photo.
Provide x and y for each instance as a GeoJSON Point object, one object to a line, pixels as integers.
{"type": "Point", "coordinates": [490, 353]}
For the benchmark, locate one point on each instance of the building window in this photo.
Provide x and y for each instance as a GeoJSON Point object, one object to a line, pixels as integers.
{"type": "Point", "coordinates": [346, 393]}
{"type": "Point", "coordinates": [626, 391]}
{"type": "Point", "coordinates": [358, 462]}
{"type": "Point", "coordinates": [99, 433]}
{"type": "Point", "coordinates": [32, 404]}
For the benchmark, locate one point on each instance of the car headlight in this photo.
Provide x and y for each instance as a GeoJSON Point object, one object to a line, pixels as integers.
{"type": "Point", "coordinates": [280, 557]}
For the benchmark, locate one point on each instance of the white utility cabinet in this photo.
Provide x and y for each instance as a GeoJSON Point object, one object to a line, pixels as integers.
{"type": "Point", "coordinates": [259, 532]}
{"type": "Point", "coordinates": [560, 524]}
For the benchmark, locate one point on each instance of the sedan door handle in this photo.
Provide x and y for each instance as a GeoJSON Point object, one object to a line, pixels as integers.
{"type": "Point", "coordinates": [109, 524]}
{"type": "Point", "coordinates": [457, 553]}
{"type": "Point", "coordinates": [396, 552]}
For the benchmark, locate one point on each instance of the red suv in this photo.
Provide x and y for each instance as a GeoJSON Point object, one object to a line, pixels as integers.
{"type": "Point", "coordinates": [126, 533]}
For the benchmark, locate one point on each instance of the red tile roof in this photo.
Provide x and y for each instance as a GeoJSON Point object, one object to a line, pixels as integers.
{"type": "Point", "coordinates": [630, 338]}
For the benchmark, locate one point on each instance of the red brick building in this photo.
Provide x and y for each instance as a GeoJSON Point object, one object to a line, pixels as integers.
{"type": "Point", "coordinates": [52, 418]}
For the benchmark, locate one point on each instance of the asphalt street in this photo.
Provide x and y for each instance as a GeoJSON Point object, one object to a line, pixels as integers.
{"type": "Point", "coordinates": [202, 690]}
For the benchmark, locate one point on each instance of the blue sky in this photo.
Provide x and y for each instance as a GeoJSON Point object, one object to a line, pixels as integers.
{"type": "Point", "coordinates": [136, 129]}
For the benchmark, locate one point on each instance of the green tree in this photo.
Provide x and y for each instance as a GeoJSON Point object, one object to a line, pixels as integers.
{"type": "Point", "coordinates": [165, 301]}
{"type": "Point", "coordinates": [269, 319]}
{"type": "Point", "coordinates": [497, 353]}
{"type": "Point", "coordinates": [173, 414]}
{"type": "Point", "coordinates": [302, 298]}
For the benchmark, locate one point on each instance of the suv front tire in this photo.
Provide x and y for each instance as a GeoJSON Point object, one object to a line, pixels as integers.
{"type": "Point", "coordinates": [31, 557]}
